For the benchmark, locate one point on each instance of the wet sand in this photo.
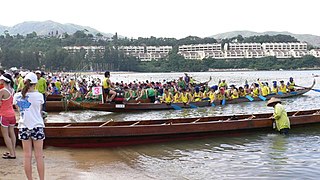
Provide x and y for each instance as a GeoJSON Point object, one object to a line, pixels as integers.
{"type": "Point", "coordinates": [61, 163]}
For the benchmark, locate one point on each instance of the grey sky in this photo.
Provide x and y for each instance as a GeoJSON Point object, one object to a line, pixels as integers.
{"type": "Point", "coordinates": [170, 18]}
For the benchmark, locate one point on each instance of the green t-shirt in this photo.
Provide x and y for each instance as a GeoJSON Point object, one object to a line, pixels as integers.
{"type": "Point", "coordinates": [41, 85]}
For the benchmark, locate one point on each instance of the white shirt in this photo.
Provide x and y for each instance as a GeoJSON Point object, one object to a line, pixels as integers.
{"type": "Point", "coordinates": [30, 109]}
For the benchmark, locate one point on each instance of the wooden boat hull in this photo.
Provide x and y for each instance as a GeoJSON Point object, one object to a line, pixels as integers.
{"type": "Point", "coordinates": [112, 133]}
{"type": "Point", "coordinates": [54, 97]}
{"type": "Point", "coordinates": [125, 107]}
{"type": "Point", "coordinates": [58, 106]}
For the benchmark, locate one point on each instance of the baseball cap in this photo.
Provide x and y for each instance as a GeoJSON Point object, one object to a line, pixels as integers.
{"type": "Point", "coordinates": [32, 77]}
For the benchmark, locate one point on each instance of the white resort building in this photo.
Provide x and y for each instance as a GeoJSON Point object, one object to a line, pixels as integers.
{"type": "Point", "coordinates": [215, 51]}
{"type": "Point", "coordinates": [74, 49]}
{"type": "Point", "coordinates": [131, 49]}
{"type": "Point", "coordinates": [245, 50]}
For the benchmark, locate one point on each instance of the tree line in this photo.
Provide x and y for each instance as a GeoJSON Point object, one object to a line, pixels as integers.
{"type": "Point", "coordinates": [46, 52]}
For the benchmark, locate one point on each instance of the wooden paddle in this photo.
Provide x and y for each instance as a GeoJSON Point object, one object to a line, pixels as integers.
{"type": "Point", "coordinates": [175, 107]}
{"type": "Point", "coordinates": [212, 104]}
{"type": "Point", "coordinates": [249, 98]}
{"type": "Point", "coordinates": [223, 102]}
{"type": "Point", "coordinates": [193, 106]}
{"type": "Point", "coordinates": [262, 98]}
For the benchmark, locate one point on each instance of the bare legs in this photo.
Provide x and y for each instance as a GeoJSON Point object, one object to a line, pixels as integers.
{"type": "Point", "coordinates": [38, 153]}
{"type": "Point", "coordinates": [9, 139]}
{"type": "Point", "coordinates": [113, 95]}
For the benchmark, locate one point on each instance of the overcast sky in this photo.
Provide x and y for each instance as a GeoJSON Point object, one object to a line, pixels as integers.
{"type": "Point", "coordinates": [170, 18]}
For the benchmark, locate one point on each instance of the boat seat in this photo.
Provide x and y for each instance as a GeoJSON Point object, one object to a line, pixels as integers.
{"type": "Point", "coordinates": [135, 123]}
{"type": "Point", "coordinates": [316, 113]}
{"type": "Point", "coordinates": [167, 123]}
{"type": "Point", "coordinates": [196, 120]}
{"type": "Point", "coordinates": [251, 117]}
{"type": "Point", "coordinates": [106, 123]}
{"type": "Point", "coordinates": [67, 125]}
{"type": "Point", "coordinates": [295, 113]}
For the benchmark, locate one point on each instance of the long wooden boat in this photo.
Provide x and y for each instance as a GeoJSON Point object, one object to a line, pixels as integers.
{"type": "Point", "coordinates": [128, 106]}
{"type": "Point", "coordinates": [51, 97]}
{"type": "Point", "coordinates": [58, 106]}
{"type": "Point", "coordinates": [119, 133]}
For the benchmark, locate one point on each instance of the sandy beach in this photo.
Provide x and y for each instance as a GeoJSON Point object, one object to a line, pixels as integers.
{"type": "Point", "coordinates": [73, 164]}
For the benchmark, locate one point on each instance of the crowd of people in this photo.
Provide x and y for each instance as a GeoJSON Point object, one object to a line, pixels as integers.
{"type": "Point", "coordinates": [28, 91]}
{"type": "Point", "coordinates": [184, 89]}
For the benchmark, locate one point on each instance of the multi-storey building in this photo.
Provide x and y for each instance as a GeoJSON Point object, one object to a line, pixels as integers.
{"type": "Point", "coordinates": [242, 46]}
{"type": "Point", "coordinates": [217, 54]}
{"type": "Point", "coordinates": [315, 52]}
{"type": "Point", "coordinates": [158, 49]}
{"type": "Point", "coordinates": [131, 49]}
{"type": "Point", "coordinates": [199, 55]}
{"type": "Point", "coordinates": [74, 49]}
{"type": "Point", "coordinates": [199, 47]}
{"type": "Point", "coordinates": [284, 46]}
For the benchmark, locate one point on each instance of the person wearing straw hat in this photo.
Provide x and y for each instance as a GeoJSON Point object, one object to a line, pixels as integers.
{"type": "Point", "coordinates": [280, 115]}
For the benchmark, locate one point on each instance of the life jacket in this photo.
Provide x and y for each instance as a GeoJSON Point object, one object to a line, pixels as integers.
{"type": "Point", "coordinates": [283, 88]}
{"type": "Point", "coordinates": [184, 97]}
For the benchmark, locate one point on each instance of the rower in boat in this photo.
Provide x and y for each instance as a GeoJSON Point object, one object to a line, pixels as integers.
{"type": "Point", "coordinates": [234, 92]}
{"type": "Point", "coordinates": [264, 88]}
{"type": "Point", "coordinates": [255, 90]}
{"type": "Point", "coordinates": [197, 95]}
{"type": "Point", "coordinates": [211, 94]}
{"type": "Point", "coordinates": [291, 84]}
{"type": "Point", "coordinates": [223, 84]}
{"type": "Point", "coordinates": [275, 88]}
{"type": "Point", "coordinates": [220, 94]}
{"type": "Point", "coordinates": [151, 93]}
{"type": "Point", "coordinates": [185, 96]}
{"type": "Point", "coordinates": [177, 97]}
{"type": "Point", "coordinates": [107, 85]}
{"type": "Point", "coordinates": [247, 89]}
{"type": "Point", "coordinates": [283, 87]}
{"type": "Point", "coordinates": [242, 92]}
{"type": "Point", "coordinates": [167, 97]}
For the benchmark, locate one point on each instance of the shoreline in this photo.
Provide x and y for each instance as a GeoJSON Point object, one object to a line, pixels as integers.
{"type": "Point", "coordinates": [210, 70]}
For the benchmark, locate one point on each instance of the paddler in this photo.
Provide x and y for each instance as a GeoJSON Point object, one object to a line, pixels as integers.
{"type": "Point", "coordinates": [107, 85]}
{"type": "Point", "coordinates": [275, 88]}
{"type": "Point", "coordinates": [185, 96]}
{"type": "Point", "coordinates": [280, 116]}
{"type": "Point", "coordinates": [283, 87]}
{"type": "Point", "coordinates": [167, 96]}
{"type": "Point", "coordinates": [291, 84]}
{"type": "Point", "coordinates": [197, 95]}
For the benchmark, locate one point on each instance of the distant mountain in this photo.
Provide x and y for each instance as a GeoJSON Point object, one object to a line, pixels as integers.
{"type": "Point", "coordinates": [2, 29]}
{"type": "Point", "coordinates": [45, 27]}
{"type": "Point", "coordinates": [310, 39]}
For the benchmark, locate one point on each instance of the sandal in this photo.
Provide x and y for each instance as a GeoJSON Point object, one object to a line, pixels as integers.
{"type": "Point", "coordinates": [9, 157]}
{"type": "Point", "coordinates": [6, 154]}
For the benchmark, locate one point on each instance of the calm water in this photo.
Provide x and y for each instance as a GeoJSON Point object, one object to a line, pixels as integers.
{"type": "Point", "coordinates": [252, 156]}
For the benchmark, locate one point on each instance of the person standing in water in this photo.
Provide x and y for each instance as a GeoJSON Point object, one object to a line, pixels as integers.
{"type": "Point", "coordinates": [280, 116]}
{"type": "Point", "coordinates": [7, 116]}
{"type": "Point", "coordinates": [31, 124]}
